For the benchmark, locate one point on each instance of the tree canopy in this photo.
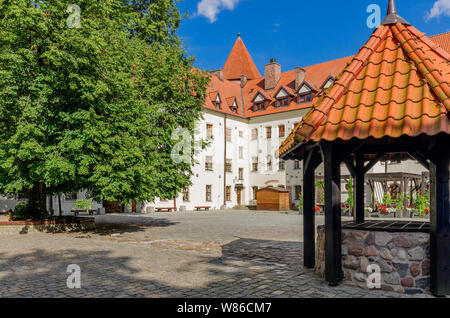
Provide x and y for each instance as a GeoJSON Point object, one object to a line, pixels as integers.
{"type": "Point", "coordinates": [94, 106]}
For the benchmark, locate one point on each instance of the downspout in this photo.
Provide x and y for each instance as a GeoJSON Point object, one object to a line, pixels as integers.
{"type": "Point", "coordinates": [225, 161]}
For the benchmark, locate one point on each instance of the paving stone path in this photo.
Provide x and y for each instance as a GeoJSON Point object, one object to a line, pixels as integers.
{"type": "Point", "coordinates": [228, 254]}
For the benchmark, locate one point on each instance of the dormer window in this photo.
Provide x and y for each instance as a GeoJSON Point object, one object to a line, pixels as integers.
{"type": "Point", "coordinates": [304, 98]}
{"type": "Point", "coordinates": [234, 106]}
{"type": "Point", "coordinates": [282, 102]}
{"type": "Point", "coordinates": [218, 102]}
{"type": "Point", "coordinates": [282, 98]}
{"type": "Point", "coordinates": [328, 83]}
{"type": "Point", "coordinates": [258, 107]}
{"type": "Point", "coordinates": [259, 102]}
{"type": "Point", "coordinates": [305, 94]}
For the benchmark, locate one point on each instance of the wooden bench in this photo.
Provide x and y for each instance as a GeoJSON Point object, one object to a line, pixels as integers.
{"type": "Point", "coordinates": [202, 208]}
{"type": "Point", "coordinates": [164, 209]}
{"type": "Point", "coordinates": [90, 212]}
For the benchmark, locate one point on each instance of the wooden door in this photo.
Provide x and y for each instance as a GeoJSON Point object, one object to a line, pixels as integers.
{"type": "Point", "coordinates": [133, 206]}
{"type": "Point", "coordinates": [239, 196]}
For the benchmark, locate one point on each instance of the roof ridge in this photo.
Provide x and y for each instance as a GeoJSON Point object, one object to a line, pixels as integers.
{"type": "Point", "coordinates": [424, 65]}
{"type": "Point", "coordinates": [433, 45]}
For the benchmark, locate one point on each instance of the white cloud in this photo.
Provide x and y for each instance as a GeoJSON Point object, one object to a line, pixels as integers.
{"type": "Point", "coordinates": [211, 8]}
{"type": "Point", "coordinates": [440, 7]}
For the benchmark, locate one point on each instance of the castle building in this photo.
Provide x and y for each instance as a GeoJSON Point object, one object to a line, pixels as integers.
{"type": "Point", "coordinates": [246, 118]}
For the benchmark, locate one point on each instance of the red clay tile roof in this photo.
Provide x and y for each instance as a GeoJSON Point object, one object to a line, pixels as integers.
{"type": "Point", "coordinates": [316, 75]}
{"type": "Point", "coordinates": [443, 40]}
{"type": "Point", "coordinates": [398, 84]}
{"type": "Point", "coordinates": [228, 91]}
{"type": "Point", "coordinates": [239, 63]}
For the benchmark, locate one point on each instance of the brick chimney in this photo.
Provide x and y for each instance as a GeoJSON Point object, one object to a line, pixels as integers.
{"type": "Point", "coordinates": [300, 74]}
{"type": "Point", "coordinates": [272, 74]}
{"type": "Point", "coordinates": [218, 74]}
{"type": "Point", "coordinates": [244, 80]}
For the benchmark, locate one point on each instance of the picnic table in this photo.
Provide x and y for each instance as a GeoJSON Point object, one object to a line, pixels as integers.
{"type": "Point", "coordinates": [165, 209]}
{"type": "Point", "coordinates": [202, 208]}
{"type": "Point", "coordinates": [77, 212]}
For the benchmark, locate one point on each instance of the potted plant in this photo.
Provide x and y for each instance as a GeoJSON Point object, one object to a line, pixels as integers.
{"type": "Point", "coordinates": [422, 204]}
{"type": "Point", "coordinates": [85, 205]}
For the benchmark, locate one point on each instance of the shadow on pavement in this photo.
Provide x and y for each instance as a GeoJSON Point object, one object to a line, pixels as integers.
{"type": "Point", "coordinates": [44, 274]}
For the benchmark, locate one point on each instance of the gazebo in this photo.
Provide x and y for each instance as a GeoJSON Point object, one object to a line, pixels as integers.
{"type": "Point", "coordinates": [393, 99]}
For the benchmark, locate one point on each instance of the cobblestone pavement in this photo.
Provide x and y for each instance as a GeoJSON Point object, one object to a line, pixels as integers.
{"type": "Point", "coordinates": [217, 254]}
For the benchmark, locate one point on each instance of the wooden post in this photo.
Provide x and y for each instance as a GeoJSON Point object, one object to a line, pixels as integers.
{"type": "Point", "coordinates": [359, 188]}
{"type": "Point", "coordinates": [309, 245]}
{"type": "Point", "coordinates": [333, 258]}
{"type": "Point", "coordinates": [440, 223]}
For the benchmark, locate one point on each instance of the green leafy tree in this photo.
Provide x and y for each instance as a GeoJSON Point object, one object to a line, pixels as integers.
{"type": "Point", "coordinates": [94, 106]}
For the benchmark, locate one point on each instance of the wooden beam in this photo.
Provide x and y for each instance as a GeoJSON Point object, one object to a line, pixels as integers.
{"type": "Point", "coordinates": [333, 253]}
{"type": "Point", "coordinates": [359, 188]}
{"type": "Point", "coordinates": [440, 220]}
{"type": "Point", "coordinates": [350, 166]}
{"type": "Point", "coordinates": [306, 162]}
{"type": "Point", "coordinates": [309, 245]}
{"type": "Point", "coordinates": [420, 158]}
{"type": "Point", "coordinates": [374, 161]}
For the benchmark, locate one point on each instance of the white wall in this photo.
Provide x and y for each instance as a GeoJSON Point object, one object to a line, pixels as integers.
{"type": "Point", "coordinates": [9, 203]}
{"type": "Point", "coordinates": [215, 178]}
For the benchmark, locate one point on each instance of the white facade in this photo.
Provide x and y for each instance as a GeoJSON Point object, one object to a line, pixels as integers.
{"type": "Point", "coordinates": [242, 149]}
{"type": "Point", "coordinates": [261, 147]}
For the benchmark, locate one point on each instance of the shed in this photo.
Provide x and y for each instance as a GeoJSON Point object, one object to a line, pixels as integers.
{"type": "Point", "coordinates": [272, 199]}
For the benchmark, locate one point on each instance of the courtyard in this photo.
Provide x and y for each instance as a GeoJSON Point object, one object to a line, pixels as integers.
{"type": "Point", "coordinates": [224, 254]}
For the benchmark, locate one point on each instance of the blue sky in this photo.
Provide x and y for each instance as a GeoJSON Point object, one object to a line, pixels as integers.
{"type": "Point", "coordinates": [295, 32]}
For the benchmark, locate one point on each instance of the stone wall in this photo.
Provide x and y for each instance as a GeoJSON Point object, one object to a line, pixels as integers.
{"type": "Point", "coordinates": [19, 227]}
{"type": "Point", "coordinates": [403, 259]}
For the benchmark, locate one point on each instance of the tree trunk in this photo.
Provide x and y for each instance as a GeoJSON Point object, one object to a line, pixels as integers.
{"type": "Point", "coordinates": [38, 197]}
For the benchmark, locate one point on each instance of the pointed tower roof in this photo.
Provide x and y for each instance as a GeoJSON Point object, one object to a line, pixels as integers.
{"type": "Point", "coordinates": [240, 63]}
{"type": "Point", "coordinates": [397, 85]}
{"type": "Point", "coordinates": [392, 17]}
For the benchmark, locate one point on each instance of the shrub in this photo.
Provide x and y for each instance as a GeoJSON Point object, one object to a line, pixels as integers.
{"type": "Point", "coordinates": [24, 212]}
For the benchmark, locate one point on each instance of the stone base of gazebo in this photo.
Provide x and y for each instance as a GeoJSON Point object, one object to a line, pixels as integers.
{"type": "Point", "coordinates": [403, 258]}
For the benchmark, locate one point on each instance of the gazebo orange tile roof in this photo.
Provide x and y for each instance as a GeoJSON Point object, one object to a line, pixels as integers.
{"type": "Point", "coordinates": [398, 84]}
